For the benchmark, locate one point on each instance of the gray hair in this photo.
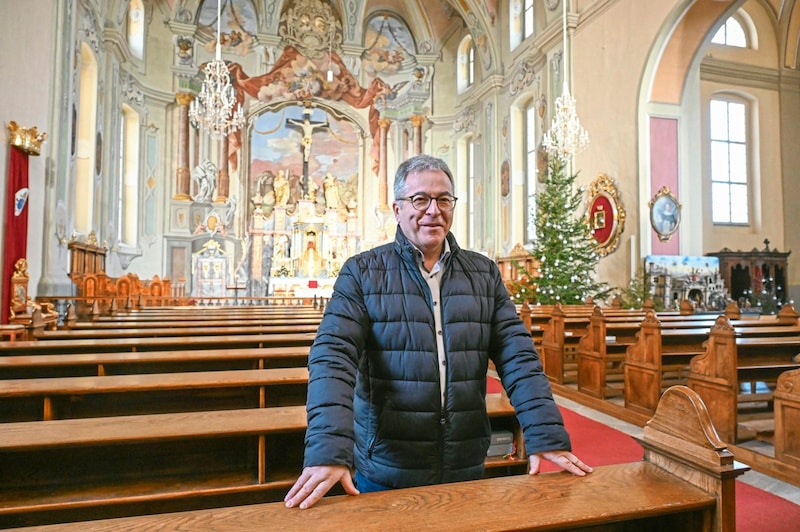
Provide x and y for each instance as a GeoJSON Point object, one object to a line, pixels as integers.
{"type": "Point", "coordinates": [418, 163]}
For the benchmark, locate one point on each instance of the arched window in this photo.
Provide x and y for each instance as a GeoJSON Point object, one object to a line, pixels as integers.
{"type": "Point", "coordinates": [731, 34]}
{"type": "Point", "coordinates": [466, 64]}
{"type": "Point", "coordinates": [128, 195]}
{"type": "Point", "coordinates": [730, 188]}
{"type": "Point", "coordinates": [136, 28]}
{"type": "Point", "coordinates": [530, 171]}
{"type": "Point", "coordinates": [86, 146]}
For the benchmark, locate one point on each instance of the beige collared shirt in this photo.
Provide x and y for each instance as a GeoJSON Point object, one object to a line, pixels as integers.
{"type": "Point", "coordinates": [433, 278]}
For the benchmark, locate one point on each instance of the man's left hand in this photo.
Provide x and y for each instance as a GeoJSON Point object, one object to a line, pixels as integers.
{"type": "Point", "coordinates": [563, 459]}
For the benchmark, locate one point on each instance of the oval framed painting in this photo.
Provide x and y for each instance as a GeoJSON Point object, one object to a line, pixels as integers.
{"type": "Point", "coordinates": [605, 214]}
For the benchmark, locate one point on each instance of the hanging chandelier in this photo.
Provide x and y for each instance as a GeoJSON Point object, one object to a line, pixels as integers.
{"type": "Point", "coordinates": [215, 109]}
{"type": "Point", "coordinates": [566, 135]}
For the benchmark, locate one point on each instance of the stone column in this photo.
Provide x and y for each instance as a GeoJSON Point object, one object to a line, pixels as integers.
{"type": "Point", "coordinates": [223, 178]}
{"type": "Point", "coordinates": [196, 147]}
{"type": "Point", "coordinates": [183, 172]}
{"type": "Point", "coordinates": [417, 121]}
{"type": "Point", "coordinates": [383, 186]}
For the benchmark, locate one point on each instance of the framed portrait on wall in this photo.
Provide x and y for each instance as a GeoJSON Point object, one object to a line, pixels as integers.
{"type": "Point", "coordinates": [665, 214]}
{"type": "Point", "coordinates": [605, 214]}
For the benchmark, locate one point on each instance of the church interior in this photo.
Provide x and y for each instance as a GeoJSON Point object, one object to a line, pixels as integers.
{"type": "Point", "coordinates": [216, 152]}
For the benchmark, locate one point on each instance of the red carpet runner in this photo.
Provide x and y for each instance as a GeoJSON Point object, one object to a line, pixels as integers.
{"type": "Point", "coordinates": [597, 444]}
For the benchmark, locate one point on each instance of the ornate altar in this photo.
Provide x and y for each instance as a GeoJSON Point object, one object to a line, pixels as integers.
{"type": "Point", "coordinates": [300, 245]}
{"type": "Point", "coordinates": [211, 269]}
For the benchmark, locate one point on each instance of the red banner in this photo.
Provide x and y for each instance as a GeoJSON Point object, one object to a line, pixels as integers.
{"type": "Point", "coordinates": [16, 237]}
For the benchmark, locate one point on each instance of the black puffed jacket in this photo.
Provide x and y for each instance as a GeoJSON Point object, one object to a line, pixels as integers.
{"type": "Point", "coordinates": [373, 393]}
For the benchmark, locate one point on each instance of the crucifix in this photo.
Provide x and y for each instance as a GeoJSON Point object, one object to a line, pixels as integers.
{"type": "Point", "coordinates": [308, 127]}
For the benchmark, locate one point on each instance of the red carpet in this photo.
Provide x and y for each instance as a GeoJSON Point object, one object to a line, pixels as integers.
{"type": "Point", "coordinates": [597, 444]}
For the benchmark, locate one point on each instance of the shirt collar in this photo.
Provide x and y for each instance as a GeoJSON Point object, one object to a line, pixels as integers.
{"type": "Point", "coordinates": [442, 257]}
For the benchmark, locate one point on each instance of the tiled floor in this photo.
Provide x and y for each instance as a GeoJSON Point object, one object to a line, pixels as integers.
{"type": "Point", "coordinates": [764, 482]}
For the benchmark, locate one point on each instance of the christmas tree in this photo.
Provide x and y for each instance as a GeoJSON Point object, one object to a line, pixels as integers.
{"type": "Point", "coordinates": [564, 245]}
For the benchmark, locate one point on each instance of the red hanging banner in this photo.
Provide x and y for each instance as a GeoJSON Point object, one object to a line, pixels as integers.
{"type": "Point", "coordinates": [16, 226]}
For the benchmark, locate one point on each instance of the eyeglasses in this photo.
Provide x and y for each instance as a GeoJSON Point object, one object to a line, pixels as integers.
{"type": "Point", "coordinates": [421, 202]}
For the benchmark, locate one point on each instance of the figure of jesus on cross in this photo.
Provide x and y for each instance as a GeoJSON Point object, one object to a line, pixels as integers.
{"type": "Point", "coordinates": [308, 128]}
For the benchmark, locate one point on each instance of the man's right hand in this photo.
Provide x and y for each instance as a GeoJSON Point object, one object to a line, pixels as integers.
{"type": "Point", "coordinates": [315, 482]}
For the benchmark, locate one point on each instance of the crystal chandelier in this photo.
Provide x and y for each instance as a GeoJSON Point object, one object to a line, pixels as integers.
{"type": "Point", "coordinates": [566, 135]}
{"type": "Point", "coordinates": [215, 109]}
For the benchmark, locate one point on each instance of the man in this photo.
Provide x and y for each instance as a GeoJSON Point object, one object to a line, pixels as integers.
{"type": "Point", "coordinates": [397, 373]}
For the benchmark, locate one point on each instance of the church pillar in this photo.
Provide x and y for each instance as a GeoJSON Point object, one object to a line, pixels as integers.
{"type": "Point", "coordinates": [183, 173]}
{"type": "Point", "coordinates": [196, 147]}
{"type": "Point", "coordinates": [417, 121]}
{"type": "Point", "coordinates": [383, 186]}
{"type": "Point", "coordinates": [223, 178]}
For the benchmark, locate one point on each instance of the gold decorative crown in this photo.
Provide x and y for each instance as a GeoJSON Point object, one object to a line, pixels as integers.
{"type": "Point", "coordinates": [28, 140]}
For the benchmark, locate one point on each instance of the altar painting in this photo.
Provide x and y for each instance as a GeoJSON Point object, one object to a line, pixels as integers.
{"type": "Point", "coordinates": [279, 145]}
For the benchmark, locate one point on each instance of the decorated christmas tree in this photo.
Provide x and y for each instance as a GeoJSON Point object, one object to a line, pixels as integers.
{"type": "Point", "coordinates": [564, 246]}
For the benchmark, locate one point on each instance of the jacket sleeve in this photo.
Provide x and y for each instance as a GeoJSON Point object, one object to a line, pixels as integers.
{"type": "Point", "coordinates": [521, 373]}
{"type": "Point", "coordinates": [332, 366]}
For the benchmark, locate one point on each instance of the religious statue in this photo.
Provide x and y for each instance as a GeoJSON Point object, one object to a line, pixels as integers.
{"type": "Point", "coordinates": [281, 246]}
{"type": "Point", "coordinates": [331, 185]}
{"type": "Point", "coordinates": [308, 128]}
{"type": "Point", "coordinates": [310, 262]}
{"type": "Point", "coordinates": [313, 187]}
{"type": "Point", "coordinates": [232, 203]}
{"type": "Point", "coordinates": [204, 179]}
{"type": "Point", "coordinates": [281, 187]}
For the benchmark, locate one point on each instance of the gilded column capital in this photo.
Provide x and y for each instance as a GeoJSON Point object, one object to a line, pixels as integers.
{"type": "Point", "coordinates": [417, 120]}
{"type": "Point", "coordinates": [384, 123]}
{"type": "Point", "coordinates": [184, 98]}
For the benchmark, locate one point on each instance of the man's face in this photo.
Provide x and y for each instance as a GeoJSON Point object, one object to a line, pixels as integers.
{"type": "Point", "coordinates": [428, 228]}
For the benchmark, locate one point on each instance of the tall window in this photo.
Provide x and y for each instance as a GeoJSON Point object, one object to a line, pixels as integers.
{"type": "Point", "coordinates": [87, 143]}
{"type": "Point", "coordinates": [128, 195]}
{"type": "Point", "coordinates": [472, 193]}
{"type": "Point", "coordinates": [466, 64]}
{"type": "Point", "coordinates": [528, 18]}
{"type": "Point", "coordinates": [530, 167]}
{"type": "Point", "coordinates": [136, 28]}
{"type": "Point", "coordinates": [729, 166]}
{"type": "Point", "coordinates": [731, 34]}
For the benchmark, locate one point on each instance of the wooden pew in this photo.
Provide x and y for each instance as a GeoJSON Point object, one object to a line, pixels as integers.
{"type": "Point", "coordinates": [76, 469]}
{"type": "Point", "coordinates": [167, 331]}
{"type": "Point", "coordinates": [165, 343]}
{"type": "Point", "coordinates": [787, 418]}
{"type": "Point", "coordinates": [729, 361]}
{"type": "Point", "coordinates": [125, 363]}
{"type": "Point", "coordinates": [661, 351]}
{"type": "Point", "coordinates": [603, 349]}
{"type": "Point", "coordinates": [201, 312]}
{"type": "Point", "coordinates": [680, 443]}
{"type": "Point", "coordinates": [657, 353]}
{"type": "Point", "coordinates": [231, 322]}
{"type": "Point", "coordinates": [122, 395]}
{"type": "Point", "coordinates": [559, 344]}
